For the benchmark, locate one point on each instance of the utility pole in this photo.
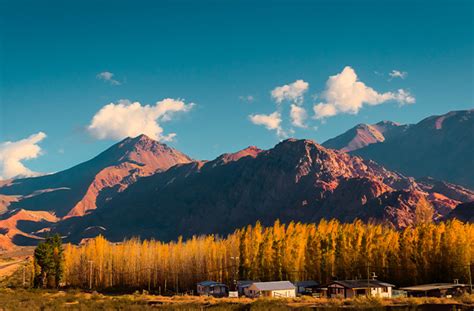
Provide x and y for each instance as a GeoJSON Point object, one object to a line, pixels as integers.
{"type": "Point", "coordinates": [368, 280]}
{"type": "Point", "coordinates": [149, 279]}
{"type": "Point", "coordinates": [90, 273]}
{"type": "Point", "coordinates": [470, 278]}
{"type": "Point", "coordinates": [236, 266]}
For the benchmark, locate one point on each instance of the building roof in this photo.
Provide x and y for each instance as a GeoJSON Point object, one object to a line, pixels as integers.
{"type": "Point", "coordinates": [362, 283]}
{"type": "Point", "coordinates": [278, 285]}
{"type": "Point", "coordinates": [308, 283]}
{"type": "Point", "coordinates": [211, 283]}
{"type": "Point", "coordinates": [433, 286]}
{"type": "Point", "coordinates": [245, 282]}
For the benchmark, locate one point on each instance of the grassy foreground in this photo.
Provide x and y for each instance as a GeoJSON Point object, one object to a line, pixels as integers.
{"type": "Point", "coordinates": [76, 300]}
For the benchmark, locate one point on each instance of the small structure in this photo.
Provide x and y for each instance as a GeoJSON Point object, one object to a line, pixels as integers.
{"type": "Point", "coordinates": [242, 285]}
{"type": "Point", "coordinates": [271, 289]}
{"type": "Point", "coordinates": [436, 290]}
{"type": "Point", "coordinates": [211, 288]}
{"type": "Point", "coordinates": [308, 287]}
{"type": "Point", "coordinates": [398, 293]}
{"type": "Point", "coordinates": [353, 288]}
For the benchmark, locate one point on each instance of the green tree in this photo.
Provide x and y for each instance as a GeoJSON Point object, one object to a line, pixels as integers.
{"type": "Point", "coordinates": [48, 258]}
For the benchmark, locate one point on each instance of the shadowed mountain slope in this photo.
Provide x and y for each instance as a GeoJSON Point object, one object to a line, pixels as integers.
{"type": "Point", "coordinates": [82, 188]}
{"type": "Point", "coordinates": [85, 187]}
{"type": "Point", "coordinates": [296, 180]}
{"type": "Point", "coordinates": [439, 146]}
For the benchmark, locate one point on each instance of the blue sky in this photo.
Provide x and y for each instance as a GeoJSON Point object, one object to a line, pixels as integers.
{"type": "Point", "coordinates": [213, 54]}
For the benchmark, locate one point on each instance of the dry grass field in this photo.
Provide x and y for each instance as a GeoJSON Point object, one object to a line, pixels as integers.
{"type": "Point", "coordinates": [21, 299]}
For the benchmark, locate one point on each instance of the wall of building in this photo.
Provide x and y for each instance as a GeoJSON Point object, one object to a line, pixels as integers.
{"type": "Point", "coordinates": [215, 290]}
{"type": "Point", "coordinates": [382, 292]}
{"type": "Point", "coordinates": [336, 291]}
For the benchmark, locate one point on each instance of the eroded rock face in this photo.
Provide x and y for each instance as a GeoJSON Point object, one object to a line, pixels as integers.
{"type": "Point", "coordinates": [19, 223]}
{"type": "Point", "coordinates": [87, 186]}
{"type": "Point", "coordinates": [438, 146]}
{"type": "Point", "coordinates": [141, 156]}
{"type": "Point", "coordinates": [140, 187]}
{"type": "Point", "coordinates": [250, 151]}
{"type": "Point", "coordinates": [363, 135]}
{"type": "Point", "coordinates": [76, 191]}
{"type": "Point", "coordinates": [296, 180]}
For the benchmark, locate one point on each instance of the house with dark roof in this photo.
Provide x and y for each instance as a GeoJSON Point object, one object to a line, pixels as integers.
{"type": "Point", "coordinates": [284, 289]}
{"type": "Point", "coordinates": [212, 288]}
{"type": "Point", "coordinates": [353, 288]}
{"type": "Point", "coordinates": [242, 285]}
{"type": "Point", "coordinates": [437, 290]}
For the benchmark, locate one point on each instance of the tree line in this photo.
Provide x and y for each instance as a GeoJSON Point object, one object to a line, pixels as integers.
{"type": "Point", "coordinates": [420, 254]}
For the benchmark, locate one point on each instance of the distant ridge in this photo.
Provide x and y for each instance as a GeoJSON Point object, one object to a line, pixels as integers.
{"type": "Point", "coordinates": [141, 187]}
{"type": "Point", "coordinates": [441, 147]}
{"type": "Point", "coordinates": [297, 180]}
{"type": "Point", "coordinates": [363, 135]}
{"type": "Point", "coordinates": [87, 186]}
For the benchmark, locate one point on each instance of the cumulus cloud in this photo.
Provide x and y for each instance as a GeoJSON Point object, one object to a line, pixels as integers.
{"type": "Point", "coordinates": [298, 116]}
{"type": "Point", "coordinates": [398, 74]}
{"type": "Point", "coordinates": [127, 119]}
{"type": "Point", "coordinates": [270, 121]}
{"type": "Point", "coordinates": [108, 77]}
{"type": "Point", "coordinates": [344, 93]}
{"type": "Point", "coordinates": [292, 92]}
{"type": "Point", "coordinates": [12, 153]}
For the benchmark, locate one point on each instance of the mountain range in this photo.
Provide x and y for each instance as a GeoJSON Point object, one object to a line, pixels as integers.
{"type": "Point", "coordinates": [439, 146]}
{"type": "Point", "coordinates": [141, 187]}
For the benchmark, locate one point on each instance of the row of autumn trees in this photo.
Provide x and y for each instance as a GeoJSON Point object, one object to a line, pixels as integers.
{"type": "Point", "coordinates": [421, 254]}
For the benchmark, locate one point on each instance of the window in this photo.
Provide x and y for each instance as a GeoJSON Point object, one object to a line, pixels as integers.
{"type": "Point", "coordinates": [360, 291]}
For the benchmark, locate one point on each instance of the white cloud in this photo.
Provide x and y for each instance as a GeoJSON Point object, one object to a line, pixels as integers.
{"type": "Point", "coordinates": [247, 98]}
{"type": "Point", "coordinates": [270, 121]}
{"type": "Point", "coordinates": [403, 97]}
{"type": "Point", "coordinates": [108, 77]}
{"type": "Point", "coordinates": [398, 74]}
{"type": "Point", "coordinates": [13, 153]}
{"type": "Point", "coordinates": [345, 94]}
{"type": "Point", "coordinates": [127, 119]}
{"type": "Point", "coordinates": [324, 110]}
{"type": "Point", "coordinates": [298, 116]}
{"type": "Point", "coordinates": [292, 92]}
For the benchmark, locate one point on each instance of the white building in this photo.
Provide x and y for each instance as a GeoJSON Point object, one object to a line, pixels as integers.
{"type": "Point", "coordinates": [284, 289]}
